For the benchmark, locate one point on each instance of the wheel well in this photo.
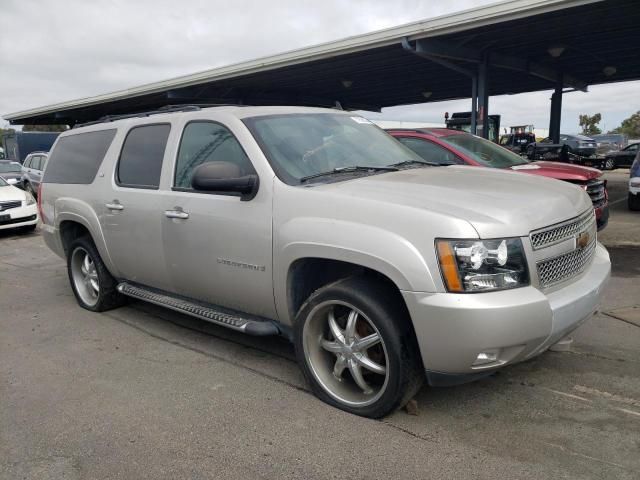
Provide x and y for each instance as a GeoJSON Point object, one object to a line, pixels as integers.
{"type": "Point", "coordinates": [70, 230]}
{"type": "Point", "coordinates": [307, 275]}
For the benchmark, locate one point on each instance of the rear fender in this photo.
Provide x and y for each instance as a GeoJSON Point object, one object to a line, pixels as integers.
{"type": "Point", "coordinates": [75, 210]}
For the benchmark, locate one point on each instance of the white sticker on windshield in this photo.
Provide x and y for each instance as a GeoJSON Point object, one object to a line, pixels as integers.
{"type": "Point", "coordinates": [525, 167]}
{"type": "Point", "coordinates": [360, 120]}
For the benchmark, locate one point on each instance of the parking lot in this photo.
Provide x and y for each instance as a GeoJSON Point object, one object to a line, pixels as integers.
{"type": "Point", "coordinates": [142, 392]}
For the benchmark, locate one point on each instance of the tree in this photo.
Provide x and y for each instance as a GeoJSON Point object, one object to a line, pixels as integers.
{"type": "Point", "coordinates": [630, 126]}
{"type": "Point", "coordinates": [589, 124]}
{"type": "Point", "coordinates": [44, 128]}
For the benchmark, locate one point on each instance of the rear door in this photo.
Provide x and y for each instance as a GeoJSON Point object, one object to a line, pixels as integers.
{"type": "Point", "coordinates": [218, 246]}
{"type": "Point", "coordinates": [132, 212]}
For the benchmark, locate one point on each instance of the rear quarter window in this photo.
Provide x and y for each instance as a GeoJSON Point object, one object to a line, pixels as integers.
{"type": "Point", "coordinates": [77, 158]}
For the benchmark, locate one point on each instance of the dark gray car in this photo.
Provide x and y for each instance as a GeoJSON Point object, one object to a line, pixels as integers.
{"type": "Point", "coordinates": [578, 144]}
{"type": "Point", "coordinates": [32, 169]}
{"type": "Point", "coordinates": [623, 158]}
{"type": "Point", "coordinates": [11, 172]}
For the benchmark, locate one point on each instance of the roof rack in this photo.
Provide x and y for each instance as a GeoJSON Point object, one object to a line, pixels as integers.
{"type": "Point", "coordinates": [158, 111]}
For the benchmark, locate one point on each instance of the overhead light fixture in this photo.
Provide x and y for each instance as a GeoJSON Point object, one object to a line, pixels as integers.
{"type": "Point", "coordinates": [427, 94]}
{"type": "Point", "coordinates": [609, 70]}
{"type": "Point", "coordinates": [347, 83]}
{"type": "Point", "coordinates": [556, 50]}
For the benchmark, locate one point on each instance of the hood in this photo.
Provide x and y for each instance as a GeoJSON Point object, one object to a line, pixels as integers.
{"type": "Point", "coordinates": [10, 193]}
{"type": "Point", "coordinates": [559, 171]}
{"type": "Point", "coordinates": [496, 203]}
{"type": "Point", "coordinates": [6, 176]}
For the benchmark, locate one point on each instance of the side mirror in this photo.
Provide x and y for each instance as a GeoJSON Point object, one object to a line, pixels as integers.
{"type": "Point", "coordinates": [224, 177]}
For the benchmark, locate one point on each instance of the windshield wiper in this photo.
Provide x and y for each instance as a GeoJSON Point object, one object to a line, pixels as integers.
{"type": "Point", "coordinates": [415, 162]}
{"type": "Point", "coordinates": [353, 168]}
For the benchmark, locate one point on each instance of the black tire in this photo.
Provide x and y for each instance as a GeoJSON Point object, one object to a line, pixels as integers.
{"type": "Point", "coordinates": [634, 202]}
{"type": "Point", "coordinates": [530, 153]}
{"type": "Point", "coordinates": [107, 297]}
{"type": "Point", "coordinates": [609, 164]}
{"type": "Point", "coordinates": [387, 312]}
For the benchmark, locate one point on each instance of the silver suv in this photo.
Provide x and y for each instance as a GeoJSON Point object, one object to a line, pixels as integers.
{"type": "Point", "coordinates": [383, 269]}
{"type": "Point", "coordinates": [32, 169]}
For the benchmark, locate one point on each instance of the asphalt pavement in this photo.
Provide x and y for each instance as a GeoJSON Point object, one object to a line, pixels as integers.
{"type": "Point", "coordinates": [141, 392]}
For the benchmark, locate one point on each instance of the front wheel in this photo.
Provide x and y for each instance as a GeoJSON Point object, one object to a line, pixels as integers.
{"type": "Point", "coordinates": [609, 164]}
{"type": "Point", "coordinates": [357, 349]}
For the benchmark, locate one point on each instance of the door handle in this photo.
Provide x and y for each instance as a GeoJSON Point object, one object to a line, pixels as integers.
{"type": "Point", "coordinates": [176, 214]}
{"type": "Point", "coordinates": [114, 206]}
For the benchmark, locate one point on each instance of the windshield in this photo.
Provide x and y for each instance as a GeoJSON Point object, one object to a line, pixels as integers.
{"type": "Point", "coordinates": [301, 145]}
{"type": "Point", "coordinates": [484, 151]}
{"type": "Point", "coordinates": [3, 183]}
{"type": "Point", "coordinates": [9, 167]}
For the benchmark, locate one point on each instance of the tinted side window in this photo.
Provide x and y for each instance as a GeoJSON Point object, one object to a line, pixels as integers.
{"type": "Point", "coordinates": [207, 142]}
{"type": "Point", "coordinates": [76, 158]}
{"type": "Point", "coordinates": [37, 162]}
{"type": "Point", "coordinates": [141, 157]}
{"type": "Point", "coordinates": [27, 162]}
{"type": "Point", "coordinates": [430, 151]}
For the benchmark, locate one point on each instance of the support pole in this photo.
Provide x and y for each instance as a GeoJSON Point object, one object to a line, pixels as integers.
{"type": "Point", "coordinates": [483, 96]}
{"type": "Point", "coordinates": [556, 111]}
{"type": "Point", "coordinates": [474, 104]}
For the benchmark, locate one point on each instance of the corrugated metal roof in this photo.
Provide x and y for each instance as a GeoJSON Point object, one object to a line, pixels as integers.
{"type": "Point", "coordinates": [596, 32]}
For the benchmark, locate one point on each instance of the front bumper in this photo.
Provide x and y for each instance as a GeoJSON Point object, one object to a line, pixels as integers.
{"type": "Point", "coordinates": [452, 329]}
{"type": "Point", "coordinates": [20, 217]}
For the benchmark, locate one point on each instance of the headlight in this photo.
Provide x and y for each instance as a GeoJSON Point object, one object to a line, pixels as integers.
{"type": "Point", "coordinates": [482, 265]}
{"type": "Point", "coordinates": [635, 183]}
{"type": "Point", "coordinates": [29, 199]}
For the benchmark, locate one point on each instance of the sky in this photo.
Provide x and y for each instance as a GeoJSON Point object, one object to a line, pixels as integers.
{"type": "Point", "coordinates": [62, 50]}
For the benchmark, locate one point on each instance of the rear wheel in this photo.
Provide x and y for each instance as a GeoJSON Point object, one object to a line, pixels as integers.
{"type": "Point", "coordinates": [634, 202]}
{"type": "Point", "coordinates": [530, 152]}
{"type": "Point", "coordinates": [357, 349]}
{"type": "Point", "coordinates": [92, 284]}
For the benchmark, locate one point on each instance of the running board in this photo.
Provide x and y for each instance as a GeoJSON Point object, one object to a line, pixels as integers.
{"type": "Point", "coordinates": [218, 315]}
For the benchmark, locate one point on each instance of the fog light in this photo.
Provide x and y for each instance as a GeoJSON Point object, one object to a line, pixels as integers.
{"type": "Point", "coordinates": [490, 356]}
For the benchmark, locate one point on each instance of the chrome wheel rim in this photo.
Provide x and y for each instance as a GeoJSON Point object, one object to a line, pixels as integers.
{"type": "Point", "coordinates": [85, 276]}
{"type": "Point", "coordinates": [609, 164]}
{"type": "Point", "coordinates": [346, 353]}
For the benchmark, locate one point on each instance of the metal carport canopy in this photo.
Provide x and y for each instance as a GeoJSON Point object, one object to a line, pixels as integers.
{"type": "Point", "coordinates": [599, 42]}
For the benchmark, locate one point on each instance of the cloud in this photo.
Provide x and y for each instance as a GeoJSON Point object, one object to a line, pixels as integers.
{"type": "Point", "coordinates": [57, 51]}
{"type": "Point", "coordinates": [614, 101]}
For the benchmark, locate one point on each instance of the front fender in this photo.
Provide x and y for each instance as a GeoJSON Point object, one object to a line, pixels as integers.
{"type": "Point", "coordinates": [75, 210]}
{"type": "Point", "coordinates": [368, 246]}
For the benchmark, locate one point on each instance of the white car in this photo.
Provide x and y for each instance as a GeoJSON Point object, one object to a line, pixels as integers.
{"type": "Point", "coordinates": [18, 208]}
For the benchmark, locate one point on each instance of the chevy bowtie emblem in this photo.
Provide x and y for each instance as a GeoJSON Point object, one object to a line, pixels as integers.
{"type": "Point", "coordinates": [583, 239]}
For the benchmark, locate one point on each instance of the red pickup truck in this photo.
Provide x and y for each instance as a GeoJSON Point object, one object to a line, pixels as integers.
{"type": "Point", "coordinates": [454, 147]}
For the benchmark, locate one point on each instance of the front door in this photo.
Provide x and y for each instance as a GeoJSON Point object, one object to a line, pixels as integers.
{"type": "Point", "coordinates": [218, 246]}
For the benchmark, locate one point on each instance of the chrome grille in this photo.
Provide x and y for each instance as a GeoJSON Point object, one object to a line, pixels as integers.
{"type": "Point", "coordinates": [596, 191]}
{"type": "Point", "coordinates": [8, 205]}
{"type": "Point", "coordinates": [562, 231]}
{"type": "Point", "coordinates": [557, 269]}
